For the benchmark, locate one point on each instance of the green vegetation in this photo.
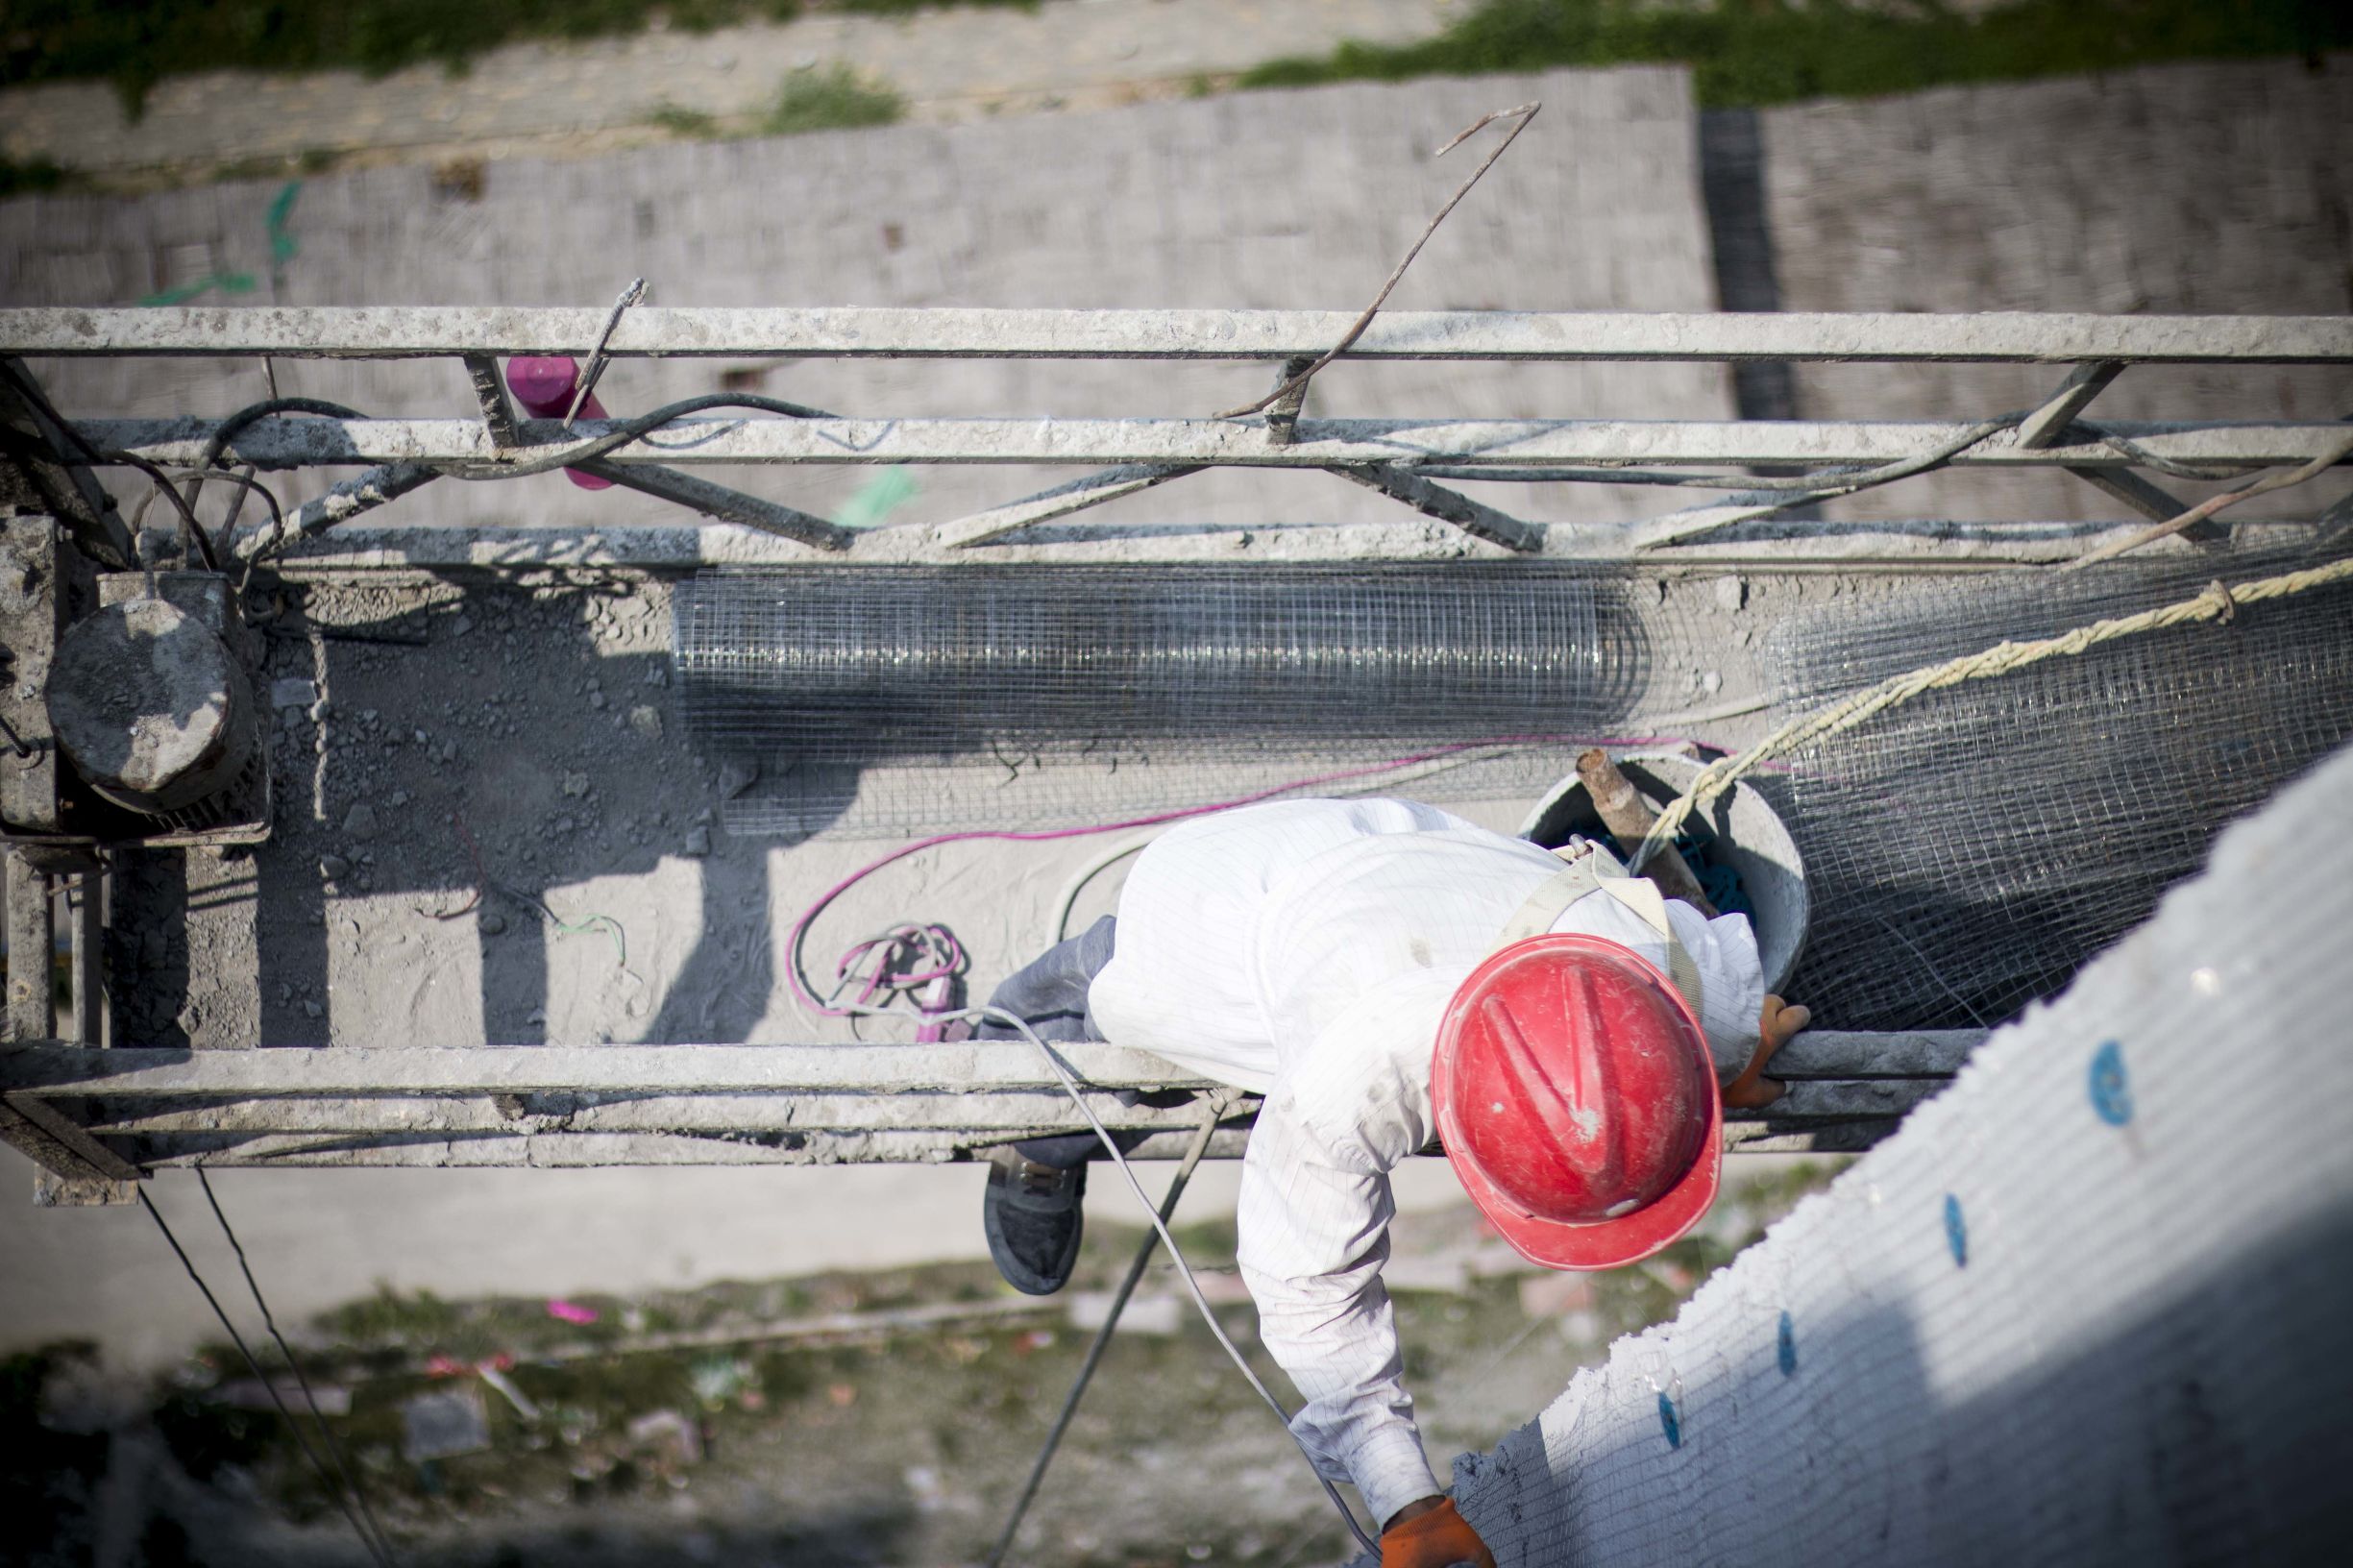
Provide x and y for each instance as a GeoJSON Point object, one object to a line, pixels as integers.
{"type": "Point", "coordinates": [684, 122]}
{"type": "Point", "coordinates": [136, 44]}
{"type": "Point", "coordinates": [276, 166]}
{"type": "Point", "coordinates": [832, 98]}
{"type": "Point", "coordinates": [1754, 52]}
{"type": "Point", "coordinates": [29, 177]}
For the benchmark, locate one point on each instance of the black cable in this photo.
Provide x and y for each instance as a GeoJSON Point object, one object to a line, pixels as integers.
{"type": "Point", "coordinates": [636, 429]}
{"type": "Point", "coordinates": [2208, 472]}
{"type": "Point", "coordinates": [326, 1481]}
{"type": "Point", "coordinates": [335, 1447]}
{"type": "Point", "coordinates": [229, 429]}
{"type": "Point", "coordinates": [93, 457]}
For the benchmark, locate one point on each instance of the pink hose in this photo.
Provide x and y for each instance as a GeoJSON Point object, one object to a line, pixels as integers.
{"type": "Point", "coordinates": [791, 949]}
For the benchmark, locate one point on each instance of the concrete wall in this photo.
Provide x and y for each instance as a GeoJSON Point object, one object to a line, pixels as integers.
{"type": "Point", "coordinates": [1279, 200]}
{"type": "Point", "coordinates": [2086, 1306]}
{"type": "Point", "coordinates": [2179, 188]}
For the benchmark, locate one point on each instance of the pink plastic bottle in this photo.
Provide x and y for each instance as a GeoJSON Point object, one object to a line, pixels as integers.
{"type": "Point", "coordinates": [543, 384]}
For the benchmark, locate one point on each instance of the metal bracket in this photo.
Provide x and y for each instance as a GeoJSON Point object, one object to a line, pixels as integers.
{"type": "Point", "coordinates": [498, 413]}
{"type": "Point", "coordinates": [1075, 496]}
{"type": "Point", "coordinates": [76, 1169]}
{"type": "Point", "coordinates": [1475, 518]}
{"type": "Point", "coordinates": [2046, 425]}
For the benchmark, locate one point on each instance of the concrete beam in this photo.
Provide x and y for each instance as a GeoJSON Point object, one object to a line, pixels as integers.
{"type": "Point", "coordinates": [1498, 446]}
{"type": "Point", "coordinates": [349, 1071]}
{"type": "Point", "coordinates": [418, 332]}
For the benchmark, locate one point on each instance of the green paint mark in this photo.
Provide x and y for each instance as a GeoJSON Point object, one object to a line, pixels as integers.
{"type": "Point", "coordinates": [283, 248]}
{"type": "Point", "coordinates": [878, 497]}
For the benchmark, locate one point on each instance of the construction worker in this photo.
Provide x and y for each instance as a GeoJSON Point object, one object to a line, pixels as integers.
{"type": "Point", "coordinates": [1384, 974]}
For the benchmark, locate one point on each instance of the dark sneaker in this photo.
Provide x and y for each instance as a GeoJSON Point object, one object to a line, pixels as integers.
{"type": "Point", "coordinates": [1034, 1215]}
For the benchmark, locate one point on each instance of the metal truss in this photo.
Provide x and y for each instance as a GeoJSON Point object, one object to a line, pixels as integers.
{"type": "Point", "coordinates": [1404, 458]}
{"type": "Point", "coordinates": [128, 1111]}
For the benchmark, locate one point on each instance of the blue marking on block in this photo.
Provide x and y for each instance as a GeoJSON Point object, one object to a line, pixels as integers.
{"type": "Point", "coordinates": [1956, 1230]}
{"type": "Point", "coordinates": [1786, 1349]}
{"type": "Point", "coordinates": [1669, 1422]}
{"type": "Point", "coordinates": [2111, 1089]}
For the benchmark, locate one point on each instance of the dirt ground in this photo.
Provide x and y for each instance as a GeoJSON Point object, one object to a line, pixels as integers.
{"type": "Point", "coordinates": [763, 1442]}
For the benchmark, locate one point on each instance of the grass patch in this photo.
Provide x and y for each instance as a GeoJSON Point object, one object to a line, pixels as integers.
{"type": "Point", "coordinates": [1745, 53]}
{"type": "Point", "coordinates": [276, 166]}
{"type": "Point", "coordinates": [684, 122]}
{"type": "Point", "coordinates": [137, 43]}
{"type": "Point", "coordinates": [832, 98]}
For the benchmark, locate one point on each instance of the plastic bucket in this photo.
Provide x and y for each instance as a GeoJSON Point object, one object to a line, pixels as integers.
{"type": "Point", "coordinates": [1749, 835]}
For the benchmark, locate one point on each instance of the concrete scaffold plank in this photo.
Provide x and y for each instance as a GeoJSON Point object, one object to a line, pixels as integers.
{"type": "Point", "coordinates": [1501, 446]}
{"type": "Point", "coordinates": [300, 1073]}
{"type": "Point", "coordinates": [433, 1106]}
{"type": "Point", "coordinates": [658, 333]}
{"type": "Point", "coordinates": [1808, 1104]}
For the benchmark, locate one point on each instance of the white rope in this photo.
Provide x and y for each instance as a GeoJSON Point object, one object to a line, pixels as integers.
{"type": "Point", "coordinates": [2217, 603]}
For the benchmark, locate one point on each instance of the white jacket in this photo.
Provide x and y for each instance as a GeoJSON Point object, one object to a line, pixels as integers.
{"type": "Point", "coordinates": [1306, 950]}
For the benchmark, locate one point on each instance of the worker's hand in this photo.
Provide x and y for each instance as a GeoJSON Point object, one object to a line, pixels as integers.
{"type": "Point", "coordinates": [1775, 1027]}
{"type": "Point", "coordinates": [1436, 1536]}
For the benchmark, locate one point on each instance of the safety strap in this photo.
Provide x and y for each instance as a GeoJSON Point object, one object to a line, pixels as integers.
{"type": "Point", "coordinates": [1592, 869]}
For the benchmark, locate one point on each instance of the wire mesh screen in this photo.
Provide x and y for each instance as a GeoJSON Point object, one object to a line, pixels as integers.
{"type": "Point", "coordinates": [933, 698]}
{"type": "Point", "coordinates": [1969, 851]}
{"type": "Point", "coordinates": [2086, 1306]}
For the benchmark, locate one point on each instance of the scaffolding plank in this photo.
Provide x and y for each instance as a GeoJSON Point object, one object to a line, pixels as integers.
{"type": "Point", "coordinates": [1497, 445]}
{"type": "Point", "coordinates": [405, 332]}
{"type": "Point", "coordinates": [313, 1073]}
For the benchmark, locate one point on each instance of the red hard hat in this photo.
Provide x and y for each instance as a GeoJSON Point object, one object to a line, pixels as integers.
{"type": "Point", "coordinates": [1577, 1102]}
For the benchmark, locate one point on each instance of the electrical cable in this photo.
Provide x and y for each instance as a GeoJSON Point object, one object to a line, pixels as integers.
{"type": "Point", "coordinates": [229, 429]}
{"type": "Point", "coordinates": [630, 431]}
{"type": "Point", "coordinates": [269, 1320]}
{"type": "Point", "coordinates": [326, 1482]}
{"type": "Point", "coordinates": [806, 995]}
{"type": "Point", "coordinates": [1068, 898]}
{"type": "Point", "coordinates": [93, 457]}
{"type": "Point", "coordinates": [1218, 1104]}
{"type": "Point", "coordinates": [1159, 1228]}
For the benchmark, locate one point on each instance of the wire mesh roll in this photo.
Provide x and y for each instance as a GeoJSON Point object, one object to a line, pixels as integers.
{"type": "Point", "coordinates": [1969, 851]}
{"type": "Point", "coordinates": [851, 665]}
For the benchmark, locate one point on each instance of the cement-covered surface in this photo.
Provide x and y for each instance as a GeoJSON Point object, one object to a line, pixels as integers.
{"type": "Point", "coordinates": [436, 741]}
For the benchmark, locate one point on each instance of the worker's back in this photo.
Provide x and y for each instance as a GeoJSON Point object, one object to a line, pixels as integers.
{"type": "Point", "coordinates": [1247, 938]}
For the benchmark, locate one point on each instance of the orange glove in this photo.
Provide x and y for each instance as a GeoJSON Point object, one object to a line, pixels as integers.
{"type": "Point", "coordinates": [1775, 1027]}
{"type": "Point", "coordinates": [1437, 1538]}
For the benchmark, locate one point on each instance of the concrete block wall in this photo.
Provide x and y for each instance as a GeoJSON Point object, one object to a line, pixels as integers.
{"type": "Point", "coordinates": [1298, 200]}
{"type": "Point", "coordinates": [2178, 188]}
{"type": "Point", "coordinates": [2220, 190]}
{"type": "Point", "coordinates": [2087, 1306]}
